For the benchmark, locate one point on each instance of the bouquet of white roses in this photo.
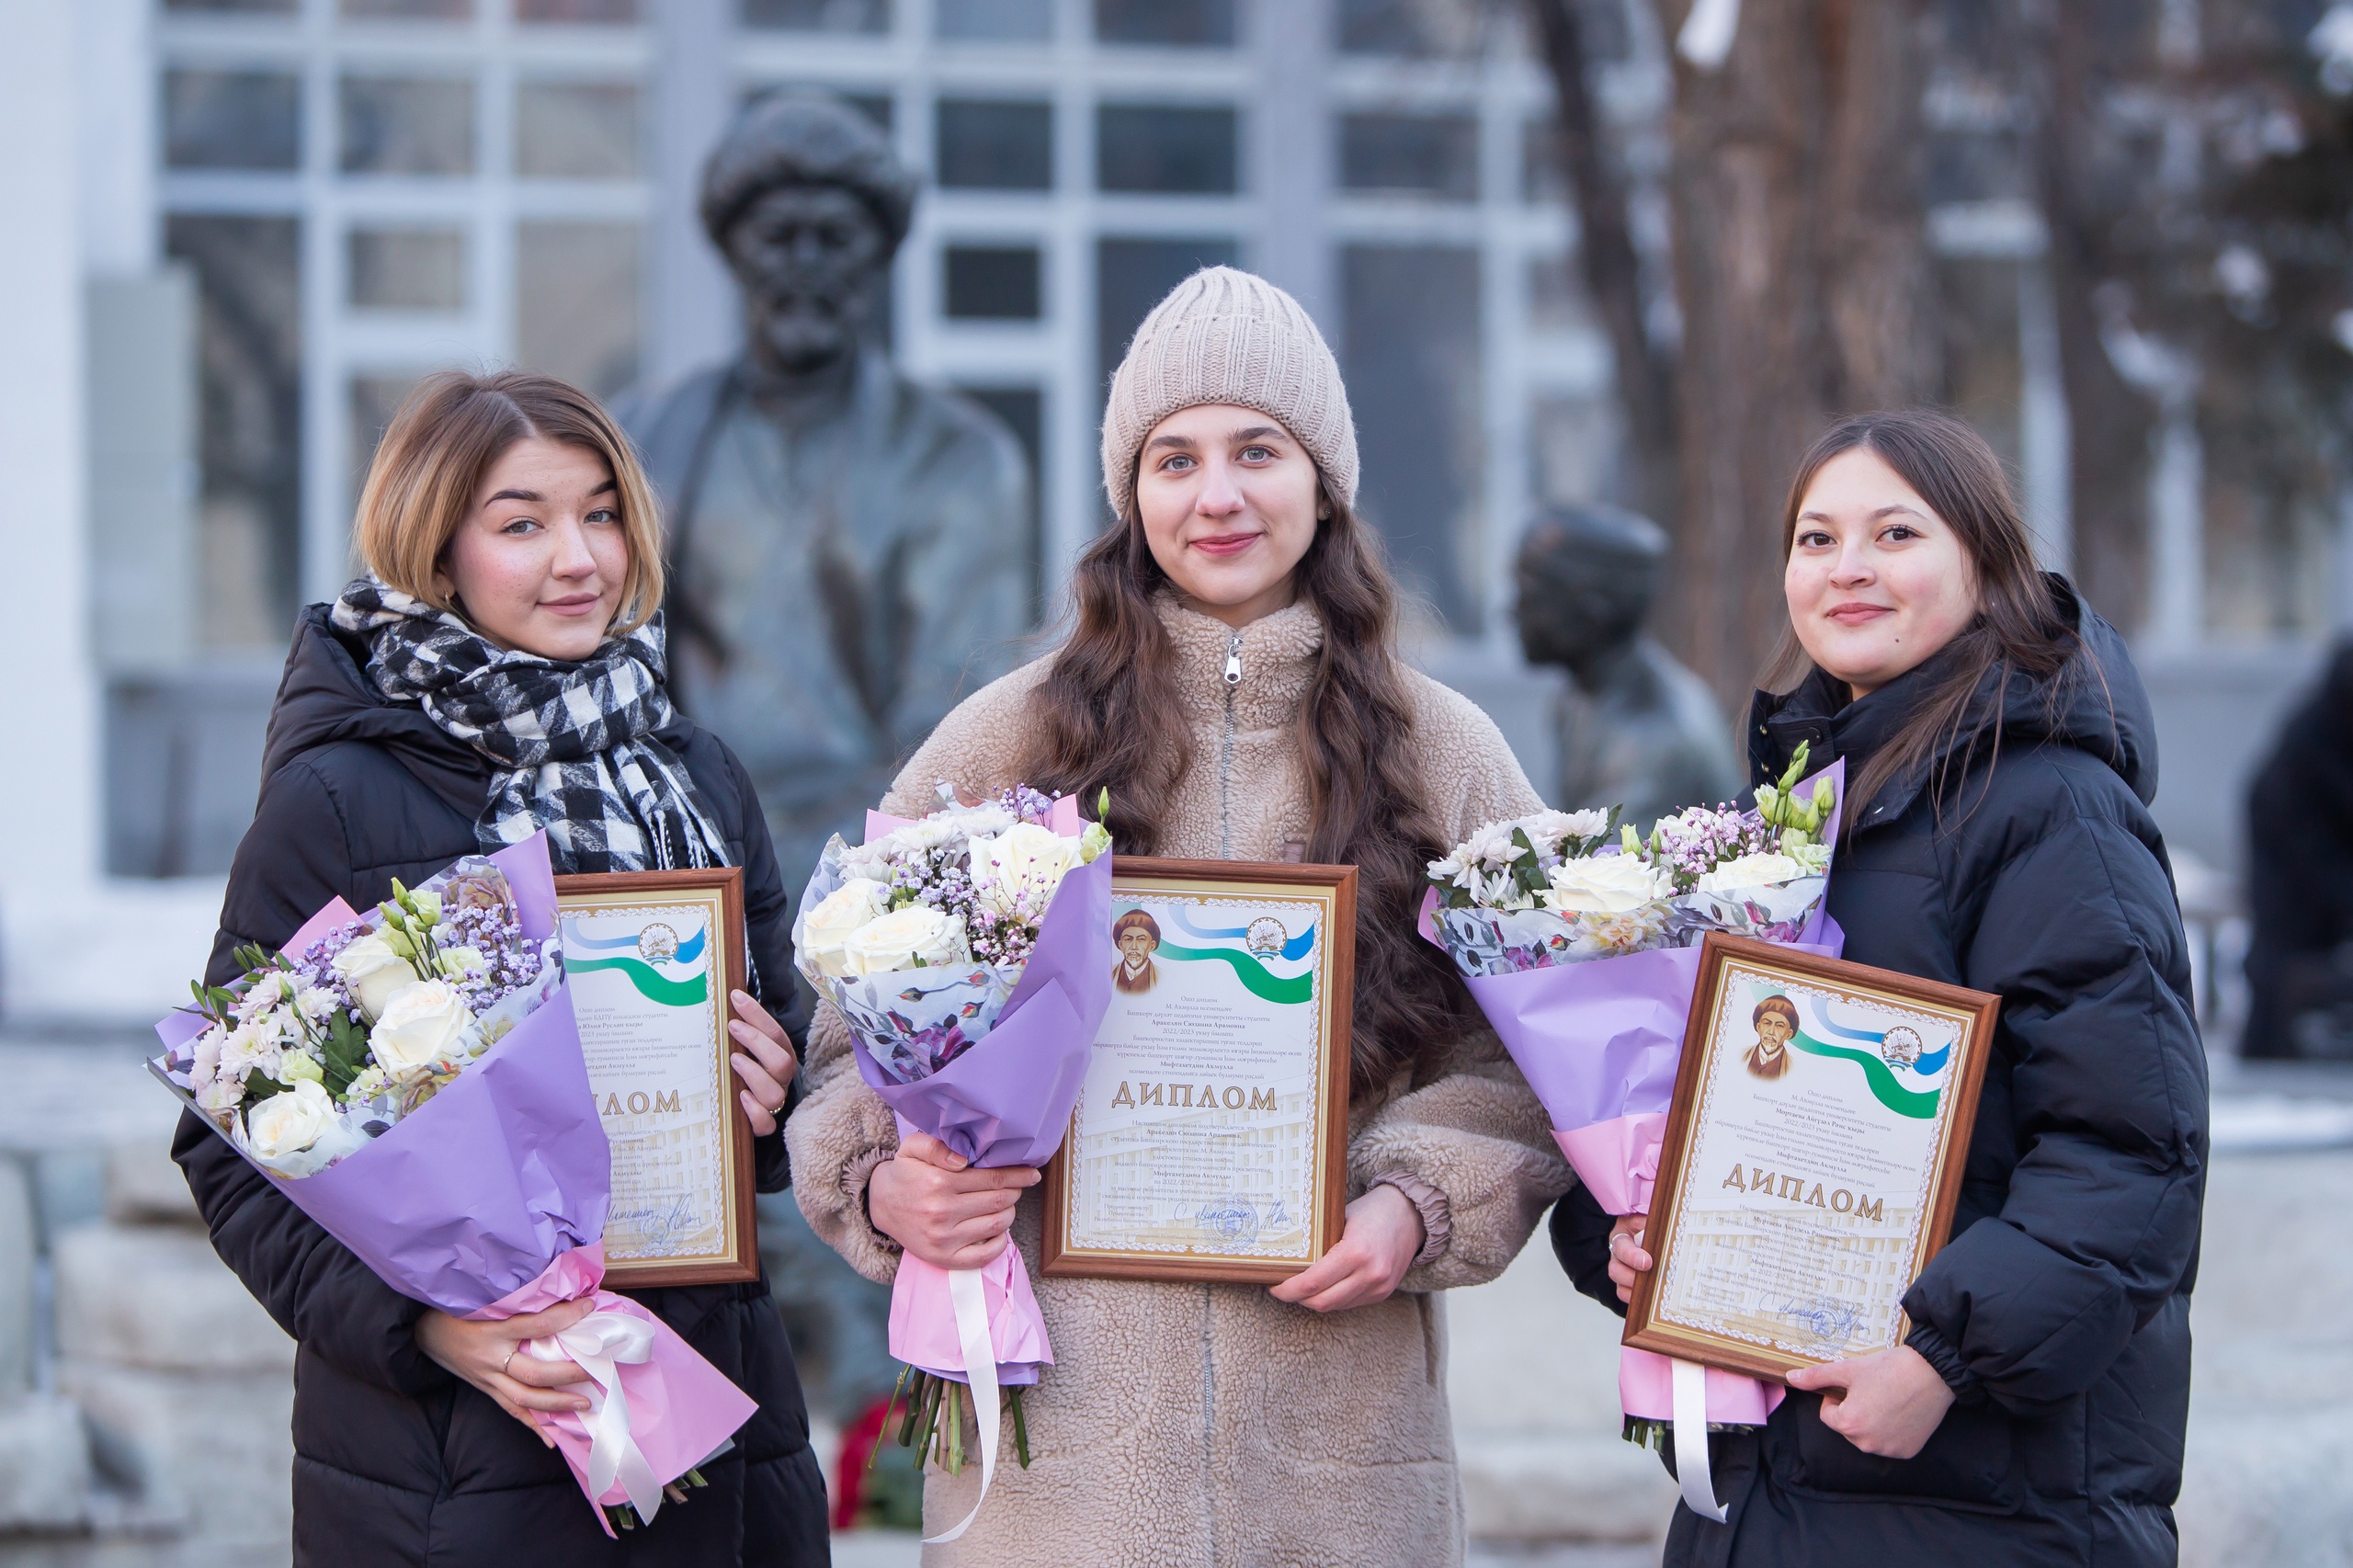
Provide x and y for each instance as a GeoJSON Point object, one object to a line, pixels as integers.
{"type": "Point", "coordinates": [970, 954]}
{"type": "Point", "coordinates": [412, 1079]}
{"type": "Point", "coordinates": [1581, 952]}
{"type": "Point", "coordinates": [307, 1057]}
{"type": "Point", "coordinates": [920, 934]}
{"type": "Point", "coordinates": [1564, 887]}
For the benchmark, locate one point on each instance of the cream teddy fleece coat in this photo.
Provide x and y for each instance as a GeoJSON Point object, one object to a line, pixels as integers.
{"type": "Point", "coordinates": [1187, 1426]}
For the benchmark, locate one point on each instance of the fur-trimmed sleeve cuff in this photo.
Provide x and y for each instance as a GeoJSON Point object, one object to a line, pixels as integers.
{"type": "Point", "coordinates": [836, 1138]}
{"type": "Point", "coordinates": [1437, 1215]}
{"type": "Point", "coordinates": [1473, 1154]}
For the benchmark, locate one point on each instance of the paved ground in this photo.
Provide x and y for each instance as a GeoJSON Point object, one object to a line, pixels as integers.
{"type": "Point", "coordinates": [880, 1548]}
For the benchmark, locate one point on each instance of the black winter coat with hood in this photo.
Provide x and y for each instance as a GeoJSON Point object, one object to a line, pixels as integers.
{"type": "Point", "coordinates": [396, 1461]}
{"type": "Point", "coordinates": [2059, 1312]}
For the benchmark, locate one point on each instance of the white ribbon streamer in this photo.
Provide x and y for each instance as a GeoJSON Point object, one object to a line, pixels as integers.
{"type": "Point", "coordinates": [980, 1365]}
{"type": "Point", "coordinates": [597, 1342]}
{"type": "Point", "coordinates": [1691, 1441]}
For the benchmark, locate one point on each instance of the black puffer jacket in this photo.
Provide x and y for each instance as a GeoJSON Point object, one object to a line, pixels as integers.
{"type": "Point", "coordinates": [2299, 848]}
{"type": "Point", "coordinates": [2060, 1310]}
{"type": "Point", "coordinates": [395, 1461]}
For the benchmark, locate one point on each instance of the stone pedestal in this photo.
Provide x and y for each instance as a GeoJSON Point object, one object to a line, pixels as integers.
{"type": "Point", "coordinates": [44, 1464]}
{"type": "Point", "coordinates": [184, 1384]}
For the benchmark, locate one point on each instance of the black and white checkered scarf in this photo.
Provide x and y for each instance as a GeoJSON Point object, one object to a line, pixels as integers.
{"type": "Point", "coordinates": [570, 744]}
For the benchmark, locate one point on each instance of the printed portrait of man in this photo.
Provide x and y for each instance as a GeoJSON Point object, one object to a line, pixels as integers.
{"type": "Point", "coordinates": [1777, 1021]}
{"type": "Point", "coordinates": [1138, 935]}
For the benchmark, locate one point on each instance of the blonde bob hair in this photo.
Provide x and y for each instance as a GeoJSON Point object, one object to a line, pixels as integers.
{"type": "Point", "coordinates": [441, 444]}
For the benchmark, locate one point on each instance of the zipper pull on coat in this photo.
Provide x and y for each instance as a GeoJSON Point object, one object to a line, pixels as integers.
{"type": "Point", "coordinates": [1233, 658]}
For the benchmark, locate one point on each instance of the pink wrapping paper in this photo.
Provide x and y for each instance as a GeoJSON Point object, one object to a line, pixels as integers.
{"type": "Point", "coordinates": [923, 1325]}
{"type": "Point", "coordinates": [682, 1409]}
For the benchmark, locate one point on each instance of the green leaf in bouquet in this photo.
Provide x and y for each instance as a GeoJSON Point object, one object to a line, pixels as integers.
{"type": "Point", "coordinates": [344, 1054]}
{"type": "Point", "coordinates": [260, 1086]}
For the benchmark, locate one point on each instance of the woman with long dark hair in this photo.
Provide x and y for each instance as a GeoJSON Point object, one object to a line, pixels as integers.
{"type": "Point", "coordinates": [499, 671]}
{"type": "Point", "coordinates": [1232, 678]}
{"type": "Point", "coordinates": [2000, 756]}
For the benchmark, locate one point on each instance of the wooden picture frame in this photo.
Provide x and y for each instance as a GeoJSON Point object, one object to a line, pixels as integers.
{"type": "Point", "coordinates": [1842, 1158]}
{"type": "Point", "coordinates": [681, 1164]}
{"type": "Point", "coordinates": [1155, 1188]}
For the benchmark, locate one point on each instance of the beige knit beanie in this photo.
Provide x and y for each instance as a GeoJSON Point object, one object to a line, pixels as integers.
{"type": "Point", "coordinates": [1225, 336]}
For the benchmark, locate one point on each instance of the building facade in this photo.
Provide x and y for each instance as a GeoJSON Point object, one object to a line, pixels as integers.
{"type": "Point", "coordinates": [247, 226]}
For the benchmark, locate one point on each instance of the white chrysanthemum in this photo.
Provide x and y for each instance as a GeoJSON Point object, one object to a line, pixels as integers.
{"type": "Point", "coordinates": [1548, 830]}
{"type": "Point", "coordinates": [1455, 869]}
{"type": "Point", "coordinates": [1492, 847]}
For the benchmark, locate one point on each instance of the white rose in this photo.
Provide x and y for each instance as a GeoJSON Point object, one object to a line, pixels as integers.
{"type": "Point", "coordinates": [858, 901]}
{"type": "Point", "coordinates": [374, 972]}
{"type": "Point", "coordinates": [1604, 885]}
{"type": "Point", "coordinates": [1023, 864]}
{"type": "Point", "coordinates": [425, 1022]}
{"type": "Point", "coordinates": [1764, 868]}
{"type": "Point", "coordinates": [905, 938]}
{"type": "Point", "coordinates": [289, 1123]}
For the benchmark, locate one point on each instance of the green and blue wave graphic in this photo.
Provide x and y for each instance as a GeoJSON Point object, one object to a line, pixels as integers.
{"type": "Point", "coordinates": [619, 955]}
{"type": "Point", "coordinates": [1918, 1104]}
{"type": "Point", "coordinates": [1298, 947]}
{"type": "Point", "coordinates": [1254, 976]}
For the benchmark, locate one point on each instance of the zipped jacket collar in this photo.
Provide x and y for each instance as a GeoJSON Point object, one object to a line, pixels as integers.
{"type": "Point", "coordinates": [1273, 661]}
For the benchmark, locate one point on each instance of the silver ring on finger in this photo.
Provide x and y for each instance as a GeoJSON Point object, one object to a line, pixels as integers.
{"type": "Point", "coordinates": [510, 1356]}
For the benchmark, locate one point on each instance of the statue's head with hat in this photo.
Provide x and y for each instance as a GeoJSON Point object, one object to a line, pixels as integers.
{"type": "Point", "coordinates": [808, 203]}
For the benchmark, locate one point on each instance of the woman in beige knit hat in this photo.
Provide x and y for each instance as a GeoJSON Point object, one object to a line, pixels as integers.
{"type": "Point", "coordinates": [1234, 678]}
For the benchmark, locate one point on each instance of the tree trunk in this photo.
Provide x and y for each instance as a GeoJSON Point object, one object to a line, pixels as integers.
{"type": "Point", "coordinates": [1610, 265]}
{"type": "Point", "coordinates": [1806, 291]}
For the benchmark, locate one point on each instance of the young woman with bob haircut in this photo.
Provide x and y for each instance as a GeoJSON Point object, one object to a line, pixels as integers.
{"type": "Point", "coordinates": [2001, 758]}
{"type": "Point", "coordinates": [498, 670]}
{"type": "Point", "coordinates": [1232, 678]}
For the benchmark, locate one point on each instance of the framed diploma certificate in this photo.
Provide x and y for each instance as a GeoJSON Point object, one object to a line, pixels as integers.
{"type": "Point", "coordinates": [1210, 1140]}
{"type": "Point", "coordinates": [651, 958]}
{"type": "Point", "coordinates": [1813, 1151]}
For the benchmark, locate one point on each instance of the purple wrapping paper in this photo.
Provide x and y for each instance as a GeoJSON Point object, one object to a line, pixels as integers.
{"type": "Point", "coordinates": [1006, 1101]}
{"type": "Point", "coordinates": [1602, 1039]}
{"type": "Point", "coordinates": [471, 1196]}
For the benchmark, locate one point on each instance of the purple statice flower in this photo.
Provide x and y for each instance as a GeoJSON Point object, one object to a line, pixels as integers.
{"type": "Point", "coordinates": [511, 962]}
{"type": "Point", "coordinates": [1693, 843]}
{"type": "Point", "coordinates": [1027, 804]}
{"type": "Point", "coordinates": [315, 969]}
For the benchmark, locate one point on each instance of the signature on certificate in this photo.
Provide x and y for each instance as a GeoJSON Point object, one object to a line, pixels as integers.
{"type": "Point", "coordinates": [661, 1225]}
{"type": "Point", "coordinates": [1232, 1218]}
{"type": "Point", "coordinates": [1830, 1320]}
